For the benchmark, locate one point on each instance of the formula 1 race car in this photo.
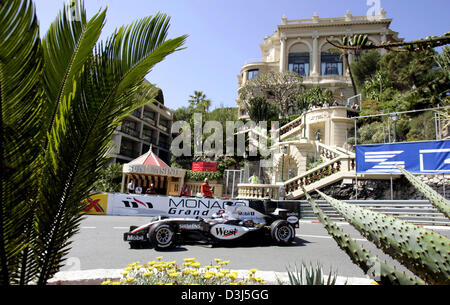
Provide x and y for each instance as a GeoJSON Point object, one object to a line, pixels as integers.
{"type": "Point", "coordinates": [234, 223]}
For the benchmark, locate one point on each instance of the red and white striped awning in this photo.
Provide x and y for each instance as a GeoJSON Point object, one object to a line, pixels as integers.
{"type": "Point", "coordinates": [149, 158]}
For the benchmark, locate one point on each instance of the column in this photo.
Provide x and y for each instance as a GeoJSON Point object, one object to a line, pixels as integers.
{"type": "Point", "coordinates": [283, 54]}
{"type": "Point", "coordinates": [315, 56]}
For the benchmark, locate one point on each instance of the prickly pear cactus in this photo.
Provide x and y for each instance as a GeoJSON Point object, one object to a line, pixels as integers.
{"type": "Point", "coordinates": [423, 252]}
{"type": "Point", "coordinates": [366, 260]}
{"type": "Point", "coordinates": [442, 204]}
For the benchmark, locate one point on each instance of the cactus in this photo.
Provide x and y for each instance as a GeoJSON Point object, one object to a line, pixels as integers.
{"type": "Point", "coordinates": [367, 261]}
{"type": "Point", "coordinates": [442, 204]}
{"type": "Point", "coordinates": [423, 252]}
{"type": "Point", "coordinates": [309, 276]}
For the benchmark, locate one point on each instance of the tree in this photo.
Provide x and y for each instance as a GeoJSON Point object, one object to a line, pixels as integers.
{"type": "Point", "coordinates": [279, 88]}
{"type": "Point", "coordinates": [260, 110]}
{"type": "Point", "coordinates": [364, 67]}
{"type": "Point", "coordinates": [61, 99]}
{"type": "Point", "coordinates": [199, 102]}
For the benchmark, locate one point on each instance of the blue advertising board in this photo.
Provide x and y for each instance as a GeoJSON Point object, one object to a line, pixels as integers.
{"type": "Point", "coordinates": [431, 157]}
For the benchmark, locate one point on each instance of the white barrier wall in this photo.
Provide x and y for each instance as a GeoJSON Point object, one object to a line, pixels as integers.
{"type": "Point", "coordinates": [153, 205]}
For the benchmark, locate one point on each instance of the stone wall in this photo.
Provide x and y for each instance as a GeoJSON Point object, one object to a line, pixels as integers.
{"type": "Point", "coordinates": [381, 189]}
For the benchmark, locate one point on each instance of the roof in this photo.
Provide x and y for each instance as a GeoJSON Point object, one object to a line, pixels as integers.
{"type": "Point", "coordinates": [149, 158]}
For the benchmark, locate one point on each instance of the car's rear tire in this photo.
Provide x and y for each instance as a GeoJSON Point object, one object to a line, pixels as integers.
{"type": "Point", "coordinates": [282, 232]}
{"type": "Point", "coordinates": [162, 236]}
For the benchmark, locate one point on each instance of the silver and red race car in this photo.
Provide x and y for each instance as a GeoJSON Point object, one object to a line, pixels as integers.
{"type": "Point", "coordinates": [236, 222]}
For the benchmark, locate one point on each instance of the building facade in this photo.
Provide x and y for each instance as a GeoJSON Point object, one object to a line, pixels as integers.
{"type": "Point", "coordinates": [300, 46]}
{"type": "Point", "coordinates": [146, 127]}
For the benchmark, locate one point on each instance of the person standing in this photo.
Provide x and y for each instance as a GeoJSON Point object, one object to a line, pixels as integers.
{"type": "Point", "coordinates": [131, 187]}
{"type": "Point", "coordinates": [138, 190]}
{"type": "Point", "coordinates": [206, 189]}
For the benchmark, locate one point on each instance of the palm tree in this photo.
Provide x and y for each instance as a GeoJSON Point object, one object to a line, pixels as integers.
{"type": "Point", "coordinates": [61, 99]}
{"type": "Point", "coordinates": [199, 101]}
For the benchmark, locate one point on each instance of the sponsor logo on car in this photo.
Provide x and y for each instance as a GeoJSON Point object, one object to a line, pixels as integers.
{"type": "Point", "coordinates": [190, 226]}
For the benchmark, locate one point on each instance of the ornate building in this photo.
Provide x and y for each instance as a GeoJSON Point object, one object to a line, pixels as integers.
{"type": "Point", "coordinates": [300, 46]}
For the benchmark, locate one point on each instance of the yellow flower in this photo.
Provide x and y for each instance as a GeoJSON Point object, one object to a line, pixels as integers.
{"type": "Point", "coordinates": [194, 272]}
{"type": "Point", "coordinates": [159, 283]}
{"type": "Point", "coordinates": [217, 260]}
{"type": "Point", "coordinates": [130, 279]}
{"type": "Point", "coordinates": [208, 267]}
{"type": "Point", "coordinates": [174, 274]}
{"type": "Point", "coordinates": [168, 284]}
{"type": "Point", "coordinates": [217, 267]}
{"type": "Point", "coordinates": [233, 283]}
{"type": "Point", "coordinates": [189, 259]}
{"type": "Point", "coordinates": [232, 276]}
{"type": "Point", "coordinates": [196, 265]}
{"type": "Point", "coordinates": [220, 274]}
{"type": "Point", "coordinates": [159, 258]}
{"type": "Point", "coordinates": [116, 283]}
{"type": "Point", "coordinates": [124, 273]}
{"type": "Point", "coordinates": [258, 279]}
{"type": "Point", "coordinates": [151, 263]}
{"type": "Point", "coordinates": [187, 264]}
{"type": "Point", "coordinates": [106, 282]}
{"type": "Point", "coordinates": [148, 274]}
{"type": "Point", "coordinates": [207, 275]}
{"type": "Point", "coordinates": [225, 271]}
{"type": "Point", "coordinates": [253, 270]}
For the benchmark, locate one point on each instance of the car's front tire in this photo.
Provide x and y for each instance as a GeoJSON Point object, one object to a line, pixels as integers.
{"type": "Point", "coordinates": [162, 236]}
{"type": "Point", "coordinates": [282, 232]}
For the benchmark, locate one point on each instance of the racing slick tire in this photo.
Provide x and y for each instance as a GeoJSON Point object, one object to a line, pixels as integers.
{"type": "Point", "coordinates": [162, 236]}
{"type": "Point", "coordinates": [282, 232]}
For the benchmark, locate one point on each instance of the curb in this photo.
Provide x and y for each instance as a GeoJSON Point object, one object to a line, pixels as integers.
{"type": "Point", "coordinates": [97, 276]}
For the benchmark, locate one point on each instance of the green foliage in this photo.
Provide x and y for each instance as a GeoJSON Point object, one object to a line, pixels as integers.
{"type": "Point", "coordinates": [260, 110]}
{"type": "Point", "coordinates": [365, 66]}
{"type": "Point", "coordinates": [309, 276]}
{"type": "Point", "coordinates": [442, 204]}
{"type": "Point", "coordinates": [62, 97]}
{"type": "Point", "coordinates": [422, 251]}
{"type": "Point", "coordinates": [368, 262]}
{"type": "Point", "coordinates": [110, 179]}
{"type": "Point", "coordinates": [313, 96]}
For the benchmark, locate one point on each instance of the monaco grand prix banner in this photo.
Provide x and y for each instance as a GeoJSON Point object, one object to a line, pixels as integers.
{"type": "Point", "coordinates": [149, 205]}
{"type": "Point", "coordinates": [431, 157]}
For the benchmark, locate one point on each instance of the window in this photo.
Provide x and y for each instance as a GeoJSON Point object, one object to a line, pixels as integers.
{"type": "Point", "coordinates": [252, 74]}
{"type": "Point", "coordinates": [331, 64]}
{"type": "Point", "coordinates": [299, 63]}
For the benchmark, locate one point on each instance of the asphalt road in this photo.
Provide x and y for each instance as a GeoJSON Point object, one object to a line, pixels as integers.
{"type": "Point", "coordinates": [99, 245]}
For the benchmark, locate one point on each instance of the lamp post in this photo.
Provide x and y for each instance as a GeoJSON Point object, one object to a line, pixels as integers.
{"type": "Point", "coordinates": [394, 119]}
{"type": "Point", "coordinates": [304, 123]}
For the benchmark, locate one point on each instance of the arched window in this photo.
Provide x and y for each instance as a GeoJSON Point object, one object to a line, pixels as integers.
{"type": "Point", "coordinates": [299, 63]}
{"type": "Point", "coordinates": [331, 63]}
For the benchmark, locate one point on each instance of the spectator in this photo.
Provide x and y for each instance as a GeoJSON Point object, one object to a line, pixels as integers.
{"type": "Point", "coordinates": [253, 179]}
{"type": "Point", "coordinates": [131, 187]}
{"type": "Point", "coordinates": [138, 190]}
{"type": "Point", "coordinates": [335, 103]}
{"type": "Point", "coordinates": [150, 190]}
{"type": "Point", "coordinates": [326, 105]}
{"type": "Point", "coordinates": [184, 191]}
{"type": "Point", "coordinates": [206, 190]}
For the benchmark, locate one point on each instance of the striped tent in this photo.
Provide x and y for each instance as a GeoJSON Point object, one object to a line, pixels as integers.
{"type": "Point", "coordinates": [150, 169]}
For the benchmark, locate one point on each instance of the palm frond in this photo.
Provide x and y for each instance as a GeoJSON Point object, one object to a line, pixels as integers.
{"type": "Point", "coordinates": [21, 101]}
{"type": "Point", "coordinates": [82, 128]}
{"type": "Point", "coordinates": [67, 46]}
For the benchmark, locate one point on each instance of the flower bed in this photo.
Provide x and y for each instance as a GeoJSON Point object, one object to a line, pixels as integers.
{"type": "Point", "coordinates": [191, 272]}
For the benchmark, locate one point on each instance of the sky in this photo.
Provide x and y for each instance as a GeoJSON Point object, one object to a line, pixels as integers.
{"type": "Point", "coordinates": [225, 34]}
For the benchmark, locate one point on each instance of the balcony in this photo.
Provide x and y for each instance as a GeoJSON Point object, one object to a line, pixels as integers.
{"type": "Point", "coordinates": [129, 131]}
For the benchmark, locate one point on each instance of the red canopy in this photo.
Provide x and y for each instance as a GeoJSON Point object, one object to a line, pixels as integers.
{"type": "Point", "coordinates": [149, 158]}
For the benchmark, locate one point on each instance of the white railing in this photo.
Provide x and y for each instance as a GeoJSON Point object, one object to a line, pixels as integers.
{"type": "Point", "coordinates": [258, 191]}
